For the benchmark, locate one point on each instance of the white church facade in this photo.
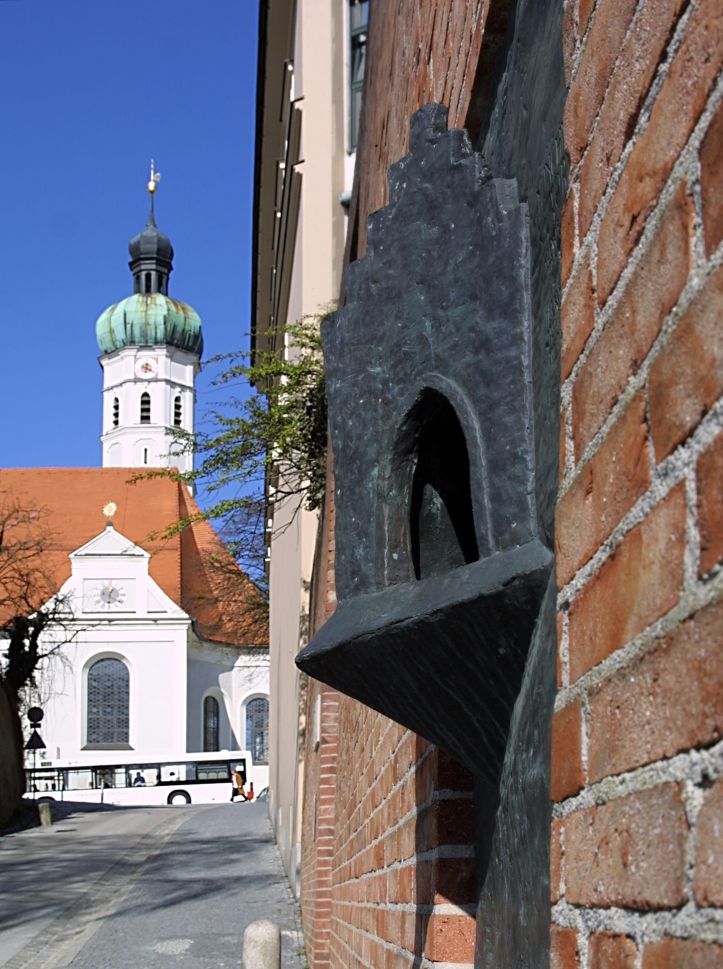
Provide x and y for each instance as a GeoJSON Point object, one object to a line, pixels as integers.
{"type": "Point", "coordinates": [133, 675]}
{"type": "Point", "coordinates": [163, 648]}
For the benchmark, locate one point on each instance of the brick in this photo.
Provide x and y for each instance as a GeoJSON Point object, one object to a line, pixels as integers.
{"type": "Point", "coordinates": [687, 377]}
{"type": "Point", "coordinates": [639, 59]}
{"type": "Point", "coordinates": [683, 676]}
{"type": "Point", "coordinates": [567, 775]}
{"type": "Point", "coordinates": [564, 953]}
{"type": "Point", "coordinates": [455, 821]}
{"type": "Point", "coordinates": [629, 852]}
{"type": "Point", "coordinates": [607, 950]}
{"type": "Point", "coordinates": [584, 11]}
{"type": "Point", "coordinates": [456, 881]}
{"type": "Point", "coordinates": [577, 318]}
{"type": "Point", "coordinates": [450, 938]}
{"type": "Point", "coordinates": [651, 293]}
{"type": "Point", "coordinates": [710, 505]}
{"type": "Point", "coordinates": [708, 878]}
{"type": "Point", "coordinates": [638, 583]}
{"type": "Point", "coordinates": [601, 50]}
{"type": "Point", "coordinates": [675, 113]}
{"type": "Point", "coordinates": [682, 954]}
{"type": "Point", "coordinates": [450, 773]}
{"type": "Point", "coordinates": [556, 860]}
{"type": "Point", "coordinates": [603, 490]}
{"type": "Point", "coordinates": [711, 152]}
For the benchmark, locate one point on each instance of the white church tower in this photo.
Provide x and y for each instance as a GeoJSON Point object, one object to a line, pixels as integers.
{"type": "Point", "coordinates": [151, 348]}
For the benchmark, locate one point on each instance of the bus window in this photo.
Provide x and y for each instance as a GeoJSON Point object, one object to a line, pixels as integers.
{"type": "Point", "coordinates": [213, 771]}
{"type": "Point", "coordinates": [105, 777]}
{"type": "Point", "coordinates": [142, 775]}
{"type": "Point", "coordinates": [79, 779]}
{"type": "Point", "coordinates": [43, 781]}
{"type": "Point", "coordinates": [177, 773]}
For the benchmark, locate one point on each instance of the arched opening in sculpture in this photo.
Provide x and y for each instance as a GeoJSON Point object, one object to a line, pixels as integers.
{"type": "Point", "coordinates": [441, 519]}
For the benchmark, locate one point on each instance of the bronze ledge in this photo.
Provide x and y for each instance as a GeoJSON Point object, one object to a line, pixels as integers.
{"type": "Point", "coordinates": [443, 656]}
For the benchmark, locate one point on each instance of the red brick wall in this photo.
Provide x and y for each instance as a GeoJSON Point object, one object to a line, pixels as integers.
{"type": "Point", "coordinates": [639, 713]}
{"type": "Point", "coordinates": [403, 872]}
{"type": "Point", "coordinates": [419, 51]}
{"type": "Point", "coordinates": [635, 866]}
{"type": "Point", "coordinates": [319, 819]}
{"type": "Point", "coordinates": [321, 745]}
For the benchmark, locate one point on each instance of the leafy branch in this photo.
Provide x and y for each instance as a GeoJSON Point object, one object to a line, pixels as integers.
{"type": "Point", "coordinates": [269, 442]}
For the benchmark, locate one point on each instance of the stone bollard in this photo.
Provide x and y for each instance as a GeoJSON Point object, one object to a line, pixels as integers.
{"type": "Point", "coordinates": [45, 814]}
{"type": "Point", "coordinates": [262, 945]}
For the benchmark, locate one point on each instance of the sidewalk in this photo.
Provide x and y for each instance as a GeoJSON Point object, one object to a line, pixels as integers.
{"type": "Point", "coordinates": [145, 887]}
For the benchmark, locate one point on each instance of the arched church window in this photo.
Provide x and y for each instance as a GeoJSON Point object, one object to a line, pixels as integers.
{"type": "Point", "coordinates": [210, 723]}
{"type": "Point", "coordinates": [177, 411]}
{"type": "Point", "coordinates": [145, 407]}
{"type": "Point", "coordinates": [257, 729]}
{"type": "Point", "coordinates": [107, 706]}
{"type": "Point", "coordinates": [147, 281]}
{"type": "Point", "coordinates": [116, 412]}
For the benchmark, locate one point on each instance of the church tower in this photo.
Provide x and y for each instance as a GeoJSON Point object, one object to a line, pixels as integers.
{"type": "Point", "coordinates": [151, 348]}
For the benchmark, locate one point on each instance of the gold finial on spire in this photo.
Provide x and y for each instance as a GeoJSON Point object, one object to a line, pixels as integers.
{"type": "Point", "coordinates": [109, 510]}
{"type": "Point", "coordinates": [153, 180]}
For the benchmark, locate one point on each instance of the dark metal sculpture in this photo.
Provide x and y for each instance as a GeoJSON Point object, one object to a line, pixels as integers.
{"type": "Point", "coordinates": [440, 568]}
{"type": "Point", "coordinates": [443, 383]}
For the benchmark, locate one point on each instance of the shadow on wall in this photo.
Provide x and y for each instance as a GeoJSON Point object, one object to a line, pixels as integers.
{"type": "Point", "coordinates": [12, 781]}
{"type": "Point", "coordinates": [444, 838]}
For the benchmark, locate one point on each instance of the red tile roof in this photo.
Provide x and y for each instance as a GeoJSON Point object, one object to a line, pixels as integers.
{"type": "Point", "coordinates": [193, 568]}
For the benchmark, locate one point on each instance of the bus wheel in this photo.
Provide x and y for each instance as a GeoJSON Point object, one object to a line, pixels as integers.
{"type": "Point", "coordinates": [178, 797]}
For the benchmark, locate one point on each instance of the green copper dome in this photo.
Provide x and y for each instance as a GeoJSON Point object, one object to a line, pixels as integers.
{"type": "Point", "coordinates": [149, 319]}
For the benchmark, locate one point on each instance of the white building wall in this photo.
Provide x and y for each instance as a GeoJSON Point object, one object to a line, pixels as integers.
{"type": "Point", "coordinates": [233, 678]}
{"type": "Point", "coordinates": [171, 374]}
{"type": "Point", "coordinates": [156, 661]}
{"type": "Point", "coordinates": [318, 84]}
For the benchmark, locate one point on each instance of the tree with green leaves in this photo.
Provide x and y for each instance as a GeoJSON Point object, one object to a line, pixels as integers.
{"type": "Point", "coordinates": [269, 442]}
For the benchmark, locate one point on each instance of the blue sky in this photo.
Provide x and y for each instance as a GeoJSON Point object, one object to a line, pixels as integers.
{"type": "Point", "coordinates": [90, 90]}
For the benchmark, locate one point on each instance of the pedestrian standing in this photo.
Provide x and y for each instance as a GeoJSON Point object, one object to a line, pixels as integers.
{"type": "Point", "coordinates": [237, 784]}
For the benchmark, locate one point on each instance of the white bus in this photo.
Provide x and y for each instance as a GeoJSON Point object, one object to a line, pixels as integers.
{"type": "Point", "coordinates": [198, 778]}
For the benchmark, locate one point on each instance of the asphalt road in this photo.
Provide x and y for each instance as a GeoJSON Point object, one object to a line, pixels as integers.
{"type": "Point", "coordinates": [148, 888]}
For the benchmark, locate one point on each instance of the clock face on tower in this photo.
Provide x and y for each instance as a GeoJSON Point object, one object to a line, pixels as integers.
{"type": "Point", "coordinates": [146, 367]}
{"type": "Point", "coordinates": [109, 595]}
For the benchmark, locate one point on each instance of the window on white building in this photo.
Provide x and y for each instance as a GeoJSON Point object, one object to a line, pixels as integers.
{"type": "Point", "coordinates": [257, 729]}
{"type": "Point", "coordinates": [210, 723]}
{"type": "Point", "coordinates": [108, 697]}
{"type": "Point", "coordinates": [177, 411]}
{"type": "Point", "coordinates": [358, 21]}
{"type": "Point", "coordinates": [145, 407]}
{"type": "Point", "coordinates": [116, 412]}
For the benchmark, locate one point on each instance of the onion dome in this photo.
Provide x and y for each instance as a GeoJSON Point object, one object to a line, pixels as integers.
{"type": "Point", "coordinates": [151, 243]}
{"type": "Point", "coordinates": [149, 319]}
